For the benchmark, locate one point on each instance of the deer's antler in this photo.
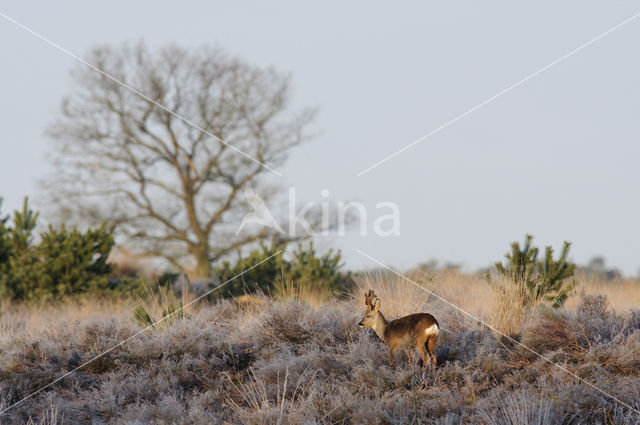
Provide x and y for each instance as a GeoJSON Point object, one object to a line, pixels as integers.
{"type": "Point", "coordinates": [369, 299]}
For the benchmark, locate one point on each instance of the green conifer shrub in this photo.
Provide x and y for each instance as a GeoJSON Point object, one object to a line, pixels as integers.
{"type": "Point", "coordinates": [537, 280]}
{"type": "Point", "coordinates": [64, 262]}
{"type": "Point", "coordinates": [306, 269]}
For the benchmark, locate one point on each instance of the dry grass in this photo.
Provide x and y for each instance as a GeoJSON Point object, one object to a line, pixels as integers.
{"type": "Point", "coordinates": [297, 360]}
{"type": "Point", "coordinates": [399, 297]}
{"type": "Point", "coordinates": [314, 296]}
{"type": "Point", "coordinates": [622, 294]}
{"type": "Point", "coordinates": [163, 306]}
{"type": "Point", "coordinates": [42, 317]}
{"type": "Point", "coordinates": [259, 406]}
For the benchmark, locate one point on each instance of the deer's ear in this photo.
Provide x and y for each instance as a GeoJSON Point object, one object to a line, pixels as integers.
{"type": "Point", "coordinates": [376, 304]}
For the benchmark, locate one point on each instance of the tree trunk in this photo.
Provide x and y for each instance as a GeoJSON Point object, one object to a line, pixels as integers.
{"type": "Point", "coordinates": [203, 266]}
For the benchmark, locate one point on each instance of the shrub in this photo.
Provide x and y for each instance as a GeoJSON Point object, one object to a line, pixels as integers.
{"type": "Point", "coordinates": [5, 248]}
{"type": "Point", "coordinates": [288, 362]}
{"type": "Point", "coordinates": [63, 263]}
{"type": "Point", "coordinates": [539, 280]}
{"type": "Point", "coordinates": [253, 278]}
{"type": "Point", "coordinates": [305, 270]}
{"type": "Point", "coordinates": [550, 330]}
{"type": "Point", "coordinates": [520, 407]}
{"type": "Point", "coordinates": [75, 262]}
{"type": "Point", "coordinates": [309, 270]}
{"type": "Point", "coordinates": [291, 404]}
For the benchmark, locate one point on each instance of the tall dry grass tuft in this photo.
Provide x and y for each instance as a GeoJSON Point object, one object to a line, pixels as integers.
{"type": "Point", "coordinates": [158, 302]}
{"type": "Point", "coordinates": [314, 296]}
{"type": "Point", "coordinates": [520, 408]}
{"type": "Point", "coordinates": [289, 405]}
{"type": "Point", "coordinates": [50, 416]}
{"type": "Point", "coordinates": [507, 312]}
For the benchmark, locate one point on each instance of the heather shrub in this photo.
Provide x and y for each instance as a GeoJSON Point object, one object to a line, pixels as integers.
{"type": "Point", "coordinates": [286, 322]}
{"type": "Point", "coordinates": [467, 345]}
{"type": "Point", "coordinates": [595, 322]}
{"type": "Point", "coordinates": [621, 356]}
{"type": "Point", "coordinates": [548, 331]}
{"type": "Point", "coordinates": [289, 402]}
{"type": "Point", "coordinates": [585, 405]}
{"type": "Point", "coordinates": [623, 416]}
{"type": "Point", "coordinates": [289, 361]}
{"type": "Point", "coordinates": [519, 408]}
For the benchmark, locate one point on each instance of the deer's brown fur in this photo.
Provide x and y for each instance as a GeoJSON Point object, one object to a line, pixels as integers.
{"type": "Point", "coordinates": [418, 331]}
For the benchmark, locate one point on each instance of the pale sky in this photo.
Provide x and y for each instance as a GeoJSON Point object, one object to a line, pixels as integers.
{"type": "Point", "coordinates": [556, 157]}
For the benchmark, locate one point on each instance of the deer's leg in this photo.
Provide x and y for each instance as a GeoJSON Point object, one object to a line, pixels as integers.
{"type": "Point", "coordinates": [411, 356]}
{"type": "Point", "coordinates": [421, 348]}
{"type": "Point", "coordinates": [431, 347]}
{"type": "Point", "coordinates": [392, 354]}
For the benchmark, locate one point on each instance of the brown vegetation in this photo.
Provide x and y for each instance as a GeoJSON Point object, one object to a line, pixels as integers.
{"type": "Point", "coordinates": [286, 361]}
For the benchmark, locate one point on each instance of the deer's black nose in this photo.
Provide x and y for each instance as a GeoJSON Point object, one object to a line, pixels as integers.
{"type": "Point", "coordinates": [361, 325]}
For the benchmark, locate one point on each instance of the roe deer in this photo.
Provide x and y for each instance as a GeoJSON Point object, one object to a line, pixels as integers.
{"type": "Point", "coordinates": [419, 331]}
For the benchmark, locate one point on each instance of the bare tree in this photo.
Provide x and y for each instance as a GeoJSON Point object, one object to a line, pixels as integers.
{"type": "Point", "coordinates": [172, 190]}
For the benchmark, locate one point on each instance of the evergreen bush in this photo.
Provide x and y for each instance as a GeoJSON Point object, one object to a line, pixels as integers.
{"type": "Point", "coordinates": [65, 262]}
{"type": "Point", "coordinates": [537, 280]}
{"type": "Point", "coordinates": [306, 269]}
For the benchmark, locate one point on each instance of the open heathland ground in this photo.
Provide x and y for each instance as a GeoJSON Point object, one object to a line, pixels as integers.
{"type": "Point", "coordinates": [297, 358]}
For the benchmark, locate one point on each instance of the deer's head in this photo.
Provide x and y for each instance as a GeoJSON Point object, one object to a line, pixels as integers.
{"type": "Point", "coordinates": [373, 315]}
